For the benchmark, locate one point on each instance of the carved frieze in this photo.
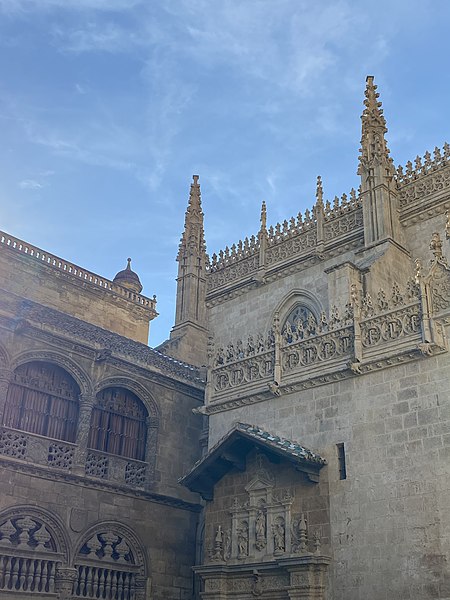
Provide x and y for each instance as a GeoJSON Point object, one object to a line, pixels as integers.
{"type": "Point", "coordinates": [242, 269]}
{"type": "Point", "coordinates": [343, 225]}
{"type": "Point", "coordinates": [291, 247]}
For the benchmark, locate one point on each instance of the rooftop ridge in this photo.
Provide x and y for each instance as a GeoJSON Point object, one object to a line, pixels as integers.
{"type": "Point", "coordinates": [423, 165]}
{"type": "Point", "coordinates": [73, 270]}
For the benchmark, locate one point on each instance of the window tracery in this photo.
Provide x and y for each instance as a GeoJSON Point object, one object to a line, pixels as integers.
{"type": "Point", "coordinates": [42, 398]}
{"type": "Point", "coordinates": [300, 321]}
{"type": "Point", "coordinates": [119, 424]}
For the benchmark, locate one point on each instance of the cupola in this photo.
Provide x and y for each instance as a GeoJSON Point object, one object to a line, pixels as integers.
{"type": "Point", "coordinates": [128, 279]}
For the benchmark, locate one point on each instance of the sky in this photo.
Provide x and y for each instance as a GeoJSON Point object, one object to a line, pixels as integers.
{"type": "Point", "coordinates": [108, 107]}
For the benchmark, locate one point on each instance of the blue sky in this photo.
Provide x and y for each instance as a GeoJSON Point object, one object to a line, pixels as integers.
{"type": "Point", "coordinates": [107, 108]}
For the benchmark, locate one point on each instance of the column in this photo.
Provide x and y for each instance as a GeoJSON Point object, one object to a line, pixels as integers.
{"type": "Point", "coordinates": [84, 424]}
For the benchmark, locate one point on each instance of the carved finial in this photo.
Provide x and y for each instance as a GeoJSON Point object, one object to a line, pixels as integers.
{"type": "Point", "coordinates": [319, 191]}
{"type": "Point", "coordinates": [263, 216]}
{"type": "Point", "coordinates": [193, 238]}
{"type": "Point", "coordinates": [436, 245]}
{"type": "Point", "coordinates": [303, 536]}
{"type": "Point", "coordinates": [316, 539]}
{"type": "Point", "coordinates": [418, 274]}
{"type": "Point", "coordinates": [129, 264]}
{"type": "Point", "coordinates": [374, 150]}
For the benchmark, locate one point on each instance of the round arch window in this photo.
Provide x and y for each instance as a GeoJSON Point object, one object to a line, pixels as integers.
{"type": "Point", "coordinates": [43, 398]}
{"type": "Point", "coordinates": [119, 424]}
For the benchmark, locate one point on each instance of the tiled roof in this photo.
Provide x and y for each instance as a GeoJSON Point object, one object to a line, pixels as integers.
{"type": "Point", "coordinates": [230, 451]}
{"type": "Point", "coordinates": [288, 446]}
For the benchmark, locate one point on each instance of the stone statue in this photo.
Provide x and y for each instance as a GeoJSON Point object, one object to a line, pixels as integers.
{"type": "Point", "coordinates": [278, 537]}
{"type": "Point", "coordinates": [242, 536]}
{"type": "Point", "coordinates": [260, 530]}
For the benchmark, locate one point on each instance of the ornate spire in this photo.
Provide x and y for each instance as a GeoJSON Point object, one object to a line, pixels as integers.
{"type": "Point", "coordinates": [374, 150]}
{"type": "Point", "coordinates": [263, 216]}
{"type": "Point", "coordinates": [188, 338]}
{"type": "Point", "coordinates": [378, 187]}
{"type": "Point", "coordinates": [319, 191]}
{"type": "Point", "coordinates": [193, 238]}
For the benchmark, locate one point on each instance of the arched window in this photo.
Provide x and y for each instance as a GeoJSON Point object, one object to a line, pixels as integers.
{"type": "Point", "coordinates": [42, 398]}
{"type": "Point", "coordinates": [118, 424]}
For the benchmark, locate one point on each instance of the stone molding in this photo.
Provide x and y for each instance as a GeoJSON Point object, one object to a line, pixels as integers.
{"type": "Point", "coordinates": [99, 484]}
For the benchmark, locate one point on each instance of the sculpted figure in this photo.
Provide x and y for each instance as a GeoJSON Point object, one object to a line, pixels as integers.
{"type": "Point", "coordinates": [242, 541]}
{"type": "Point", "coordinates": [260, 343]}
{"type": "Point", "coordinates": [278, 537]}
{"type": "Point", "coordinates": [230, 352]}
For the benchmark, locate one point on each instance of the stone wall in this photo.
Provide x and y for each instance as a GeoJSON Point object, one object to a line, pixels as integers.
{"type": "Point", "coordinates": [72, 290]}
{"type": "Point", "coordinates": [389, 519]}
{"type": "Point", "coordinates": [165, 534]}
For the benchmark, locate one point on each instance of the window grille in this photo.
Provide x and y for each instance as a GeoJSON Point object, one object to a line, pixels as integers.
{"type": "Point", "coordinates": [43, 398]}
{"type": "Point", "coordinates": [118, 424]}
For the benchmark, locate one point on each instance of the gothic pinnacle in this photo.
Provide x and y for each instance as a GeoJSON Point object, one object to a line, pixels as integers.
{"type": "Point", "coordinates": [193, 223]}
{"type": "Point", "coordinates": [374, 150]}
{"type": "Point", "coordinates": [319, 191]}
{"type": "Point", "coordinates": [263, 216]}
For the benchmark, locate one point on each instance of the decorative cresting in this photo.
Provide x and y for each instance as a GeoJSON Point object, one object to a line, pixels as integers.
{"type": "Point", "coordinates": [33, 554]}
{"type": "Point", "coordinates": [110, 563]}
{"type": "Point", "coordinates": [302, 238]}
{"type": "Point", "coordinates": [425, 184]}
{"type": "Point", "coordinates": [308, 341]}
{"type": "Point", "coordinates": [436, 284]}
{"type": "Point", "coordinates": [372, 331]}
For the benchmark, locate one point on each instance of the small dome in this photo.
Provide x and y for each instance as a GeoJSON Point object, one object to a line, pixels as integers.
{"type": "Point", "coordinates": [128, 279]}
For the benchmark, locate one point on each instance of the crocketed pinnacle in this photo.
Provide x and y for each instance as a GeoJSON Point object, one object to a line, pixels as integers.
{"type": "Point", "coordinates": [374, 150]}
{"type": "Point", "coordinates": [263, 216]}
{"type": "Point", "coordinates": [193, 238]}
{"type": "Point", "coordinates": [319, 191]}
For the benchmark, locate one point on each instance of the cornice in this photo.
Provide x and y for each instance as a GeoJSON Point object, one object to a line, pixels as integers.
{"type": "Point", "coordinates": [71, 478]}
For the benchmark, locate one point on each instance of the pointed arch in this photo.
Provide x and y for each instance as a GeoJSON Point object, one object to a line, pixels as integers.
{"type": "Point", "coordinates": [297, 298]}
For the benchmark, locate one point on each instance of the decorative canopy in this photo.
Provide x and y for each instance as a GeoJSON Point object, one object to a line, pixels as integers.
{"type": "Point", "coordinates": [231, 451]}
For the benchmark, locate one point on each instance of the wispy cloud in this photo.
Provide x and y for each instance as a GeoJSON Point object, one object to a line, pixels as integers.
{"type": "Point", "coordinates": [30, 184]}
{"type": "Point", "coordinates": [95, 37]}
{"type": "Point", "coordinates": [24, 6]}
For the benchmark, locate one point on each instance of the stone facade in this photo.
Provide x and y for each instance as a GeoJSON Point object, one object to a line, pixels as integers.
{"type": "Point", "coordinates": [79, 519]}
{"type": "Point", "coordinates": [330, 329]}
{"type": "Point", "coordinates": [314, 430]}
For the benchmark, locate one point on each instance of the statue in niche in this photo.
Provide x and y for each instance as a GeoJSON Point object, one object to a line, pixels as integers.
{"type": "Point", "coordinates": [278, 536]}
{"type": "Point", "coordinates": [242, 537]}
{"type": "Point", "coordinates": [260, 530]}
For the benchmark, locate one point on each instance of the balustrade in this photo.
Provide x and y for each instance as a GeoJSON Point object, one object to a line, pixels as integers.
{"type": "Point", "coordinates": [61, 456]}
{"type": "Point", "coordinates": [69, 268]}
